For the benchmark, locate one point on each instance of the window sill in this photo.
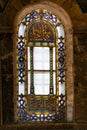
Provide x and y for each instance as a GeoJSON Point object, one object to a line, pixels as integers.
{"type": "Point", "coordinates": [45, 126]}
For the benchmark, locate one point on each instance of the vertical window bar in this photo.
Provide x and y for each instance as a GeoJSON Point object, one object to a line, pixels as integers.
{"type": "Point", "coordinates": [31, 72]}
{"type": "Point", "coordinates": [51, 71]}
{"type": "Point", "coordinates": [57, 84]}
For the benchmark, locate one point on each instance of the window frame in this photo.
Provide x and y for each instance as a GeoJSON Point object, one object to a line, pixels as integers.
{"type": "Point", "coordinates": [61, 14]}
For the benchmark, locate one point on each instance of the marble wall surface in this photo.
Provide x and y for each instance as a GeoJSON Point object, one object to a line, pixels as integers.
{"type": "Point", "coordinates": [80, 77]}
{"type": "Point", "coordinates": [6, 53]}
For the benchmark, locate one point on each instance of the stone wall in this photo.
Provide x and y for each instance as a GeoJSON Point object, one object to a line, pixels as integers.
{"type": "Point", "coordinates": [80, 77]}
{"type": "Point", "coordinates": [6, 53]}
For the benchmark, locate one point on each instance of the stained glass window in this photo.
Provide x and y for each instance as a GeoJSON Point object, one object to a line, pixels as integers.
{"type": "Point", "coordinates": [40, 58]}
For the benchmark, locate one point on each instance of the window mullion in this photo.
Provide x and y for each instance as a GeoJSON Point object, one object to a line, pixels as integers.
{"type": "Point", "coordinates": [31, 72]}
{"type": "Point", "coordinates": [51, 71]}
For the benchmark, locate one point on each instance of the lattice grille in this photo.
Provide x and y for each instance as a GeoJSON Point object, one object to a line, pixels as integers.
{"type": "Point", "coordinates": [61, 114]}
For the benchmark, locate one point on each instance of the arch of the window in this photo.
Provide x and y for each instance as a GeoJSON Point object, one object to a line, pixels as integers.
{"type": "Point", "coordinates": [63, 16]}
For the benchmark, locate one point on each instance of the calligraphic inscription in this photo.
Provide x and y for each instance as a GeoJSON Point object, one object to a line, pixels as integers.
{"type": "Point", "coordinates": [40, 104]}
{"type": "Point", "coordinates": [40, 31]}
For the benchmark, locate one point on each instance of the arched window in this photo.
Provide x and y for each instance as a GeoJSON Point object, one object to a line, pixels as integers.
{"type": "Point", "coordinates": [41, 66]}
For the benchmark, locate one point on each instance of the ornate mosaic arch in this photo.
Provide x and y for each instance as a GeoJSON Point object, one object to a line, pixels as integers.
{"type": "Point", "coordinates": [37, 27]}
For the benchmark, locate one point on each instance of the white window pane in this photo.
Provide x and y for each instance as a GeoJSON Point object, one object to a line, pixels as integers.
{"type": "Point", "coordinates": [28, 51]}
{"type": "Point", "coordinates": [54, 58]}
{"type": "Point", "coordinates": [28, 82]}
{"type": "Point", "coordinates": [21, 30]}
{"type": "Point", "coordinates": [61, 88]}
{"type": "Point", "coordinates": [20, 88]}
{"type": "Point", "coordinates": [41, 58]}
{"type": "Point", "coordinates": [41, 83]}
{"type": "Point", "coordinates": [60, 30]}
